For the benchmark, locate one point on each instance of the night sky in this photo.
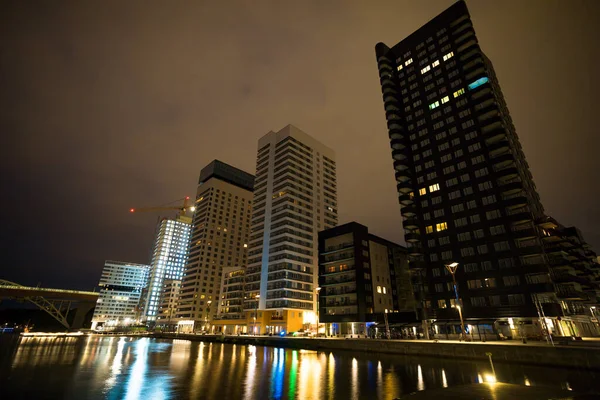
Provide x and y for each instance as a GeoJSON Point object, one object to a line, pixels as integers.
{"type": "Point", "coordinates": [110, 105]}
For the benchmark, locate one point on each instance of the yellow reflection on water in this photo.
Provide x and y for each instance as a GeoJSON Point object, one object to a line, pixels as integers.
{"type": "Point", "coordinates": [115, 368]}
{"type": "Point", "coordinates": [391, 384]}
{"type": "Point", "coordinates": [420, 381]}
{"type": "Point", "coordinates": [331, 376]}
{"type": "Point", "coordinates": [309, 380]}
{"type": "Point", "coordinates": [198, 371]}
{"type": "Point", "coordinates": [250, 373]}
{"type": "Point", "coordinates": [444, 380]}
{"type": "Point", "coordinates": [379, 379]}
{"type": "Point", "coordinates": [355, 389]}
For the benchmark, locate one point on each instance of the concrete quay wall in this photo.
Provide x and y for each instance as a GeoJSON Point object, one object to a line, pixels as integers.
{"type": "Point", "coordinates": [560, 356]}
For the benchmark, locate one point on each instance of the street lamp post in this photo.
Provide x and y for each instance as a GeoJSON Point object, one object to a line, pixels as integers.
{"type": "Point", "coordinates": [257, 297]}
{"type": "Point", "coordinates": [318, 289]}
{"type": "Point", "coordinates": [452, 269]}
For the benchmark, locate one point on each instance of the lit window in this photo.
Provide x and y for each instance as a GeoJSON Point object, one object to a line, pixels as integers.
{"type": "Point", "coordinates": [378, 289]}
{"type": "Point", "coordinates": [434, 105]}
{"type": "Point", "coordinates": [427, 68]}
{"type": "Point", "coordinates": [422, 191]}
{"type": "Point", "coordinates": [448, 56]}
{"type": "Point", "coordinates": [435, 63]}
{"type": "Point", "coordinates": [429, 229]}
{"type": "Point", "coordinates": [478, 83]}
{"type": "Point", "coordinates": [445, 100]}
{"type": "Point", "coordinates": [442, 226]}
{"type": "Point", "coordinates": [384, 290]}
{"type": "Point", "coordinates": [459, 92]}
{"type": "Point", "coordinates": [399, 67]}
{"type": "Point", "coordinates": [409, 61]}
{"type": "Point", "coordinates": [434, 188]}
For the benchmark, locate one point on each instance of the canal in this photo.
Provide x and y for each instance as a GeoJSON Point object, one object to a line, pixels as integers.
{"type": "Point", "coordinates": [101, 367]}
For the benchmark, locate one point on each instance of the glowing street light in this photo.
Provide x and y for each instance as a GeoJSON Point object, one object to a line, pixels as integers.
{"type": "Point", "coordinates": [452, 269]}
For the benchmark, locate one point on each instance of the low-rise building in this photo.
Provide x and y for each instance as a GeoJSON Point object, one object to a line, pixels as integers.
{"type": "Point", "coordinates": [358, 282]}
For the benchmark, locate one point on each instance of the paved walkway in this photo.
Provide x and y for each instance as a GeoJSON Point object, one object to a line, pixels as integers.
{"type": "Point", "coordinates": [498, 391]}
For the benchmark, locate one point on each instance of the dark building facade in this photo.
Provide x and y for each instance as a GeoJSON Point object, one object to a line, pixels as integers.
{"type": "Point", "coordinates": [464, 186]}
{"type": "Point", "coordinates": [362, 277]}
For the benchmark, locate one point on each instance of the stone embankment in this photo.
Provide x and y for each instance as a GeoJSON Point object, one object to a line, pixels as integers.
{"type": "Point", "coordinates": [513, 352]}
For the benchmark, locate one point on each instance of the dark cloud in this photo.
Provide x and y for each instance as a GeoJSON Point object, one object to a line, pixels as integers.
{"type": "Point", "coordinates": [108, 105]}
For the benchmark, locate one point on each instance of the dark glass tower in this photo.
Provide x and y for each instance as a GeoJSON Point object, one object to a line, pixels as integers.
{"type": "Point", "coordinates": [464, 186]}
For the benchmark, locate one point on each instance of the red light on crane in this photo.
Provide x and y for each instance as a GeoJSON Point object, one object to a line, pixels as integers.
{"type": "Point", "coordinates": [132, 210]}
{"type": "Point", "coordinates": [187, 197]}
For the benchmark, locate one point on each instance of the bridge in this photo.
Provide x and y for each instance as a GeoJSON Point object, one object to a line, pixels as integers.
{"type": "Point", "coordinates": [56, 302]}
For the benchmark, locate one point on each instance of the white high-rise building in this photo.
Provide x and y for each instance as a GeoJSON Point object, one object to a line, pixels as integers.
{"type": "Point", "coordinates": [168, 260]}
{"type": "Point", "coordinates": [121, 286]}
{"type": "Point", "coordinates": [295, 197]}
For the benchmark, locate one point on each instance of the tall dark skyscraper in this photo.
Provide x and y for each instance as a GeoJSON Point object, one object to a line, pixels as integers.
{"type": "Point", "coordinates": [464, 186]}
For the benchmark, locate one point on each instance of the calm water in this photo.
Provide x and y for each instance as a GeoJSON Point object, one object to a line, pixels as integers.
{"type": "Point", "coordinates": [99, 367]}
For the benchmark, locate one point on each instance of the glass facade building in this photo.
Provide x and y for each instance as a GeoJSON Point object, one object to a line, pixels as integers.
{"type": "Point", "coordinates": [169, 257]}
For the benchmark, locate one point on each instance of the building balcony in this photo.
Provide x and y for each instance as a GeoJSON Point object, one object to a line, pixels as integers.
{"type": "Point", "coordinates": [516, 201]}
{"type": "Point", "coordinates": [415, 250]}
{"type": "Point", "coordinates": [563, 276]}
{"type": "Point", "coordinates": [406, 199]}
{"type": "Point", "coordinates": [339, 281]}
{"type": "Point", "coordinates": [332, 291]}
{"type": "Point", "coordinates": [503, 160]}
{"type": "Point", "coordinates": [400, 165]}
{"type": "Point", "coordinates": [565, 293]}
{"type": "Point", "coordinates": [534, 268]}
{"type": "Point", "coordinates": [559, 261]}
{"type": "Point", "coordinates": [525, 233]}
{"type": "Point", "coordinates": [511, 188]}
{"type": "Point", "coordinates": [409, 210]}
{"type": "Point", "coordinates": [531, 249]}
{"type": "Point", "coordinates": [399, 155]}
{"type": "Point", "coordinates": [520, 217]}
{"type": "Point", "coordinates": [410, 223]}
{"type": "Point", "coordinates": [552, 309]}
{"type": "Point", "coordinates": [398, 141]}
{"type": "Point", "coordinates": [403, 176]}
{"type": "Point", "coordinates": [412, 237]}
{"type": "Point", "coordinates": [499, 147]}
{"type": "Point", "coordinates": [404, 187]}
{"type": "Point", "coordinates": [507, 173]}
{"type": "Point", "coordinates": [492, 125]}
{"type": "Point", "coordinates": [341, 303]}
{"type": "Point", "coordinates": [545, 287]}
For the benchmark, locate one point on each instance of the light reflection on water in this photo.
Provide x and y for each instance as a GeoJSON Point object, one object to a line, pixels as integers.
{"type": "Point", "coordinates": [98, 367]}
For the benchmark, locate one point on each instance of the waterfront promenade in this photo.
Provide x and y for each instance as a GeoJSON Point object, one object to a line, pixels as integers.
{"type": "Point", "coordinates": [584, 354]}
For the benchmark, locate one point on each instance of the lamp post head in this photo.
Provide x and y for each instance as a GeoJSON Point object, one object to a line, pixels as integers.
{"type": "Point", "coordinates": [318, 289]}
{"type": "Point", "coordinates": [257, 296]}
{"type": "Point", "coordinates": [208, 302]}
{"type": "Point", "coordinates": [452, 267]}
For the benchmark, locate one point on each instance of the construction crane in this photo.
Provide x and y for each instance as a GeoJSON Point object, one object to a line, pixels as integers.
{"type": "Point", "coordinates": [169, 206]}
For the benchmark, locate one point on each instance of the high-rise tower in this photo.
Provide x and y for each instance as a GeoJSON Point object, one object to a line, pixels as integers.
{"type": "Point", "coordinates": [219, 238]}
{"type": "Point", "coordinates": [464, 186]}
{"type": "Point", "coordinates": [169, 256]}
{"type": "Point", "coordinates": [295, 197]}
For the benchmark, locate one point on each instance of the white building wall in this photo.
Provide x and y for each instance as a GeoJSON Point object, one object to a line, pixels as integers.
{"type": "Point", "coordinates": [120, 285]}
{"type": "Point", "coordinates": [293, 200]}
